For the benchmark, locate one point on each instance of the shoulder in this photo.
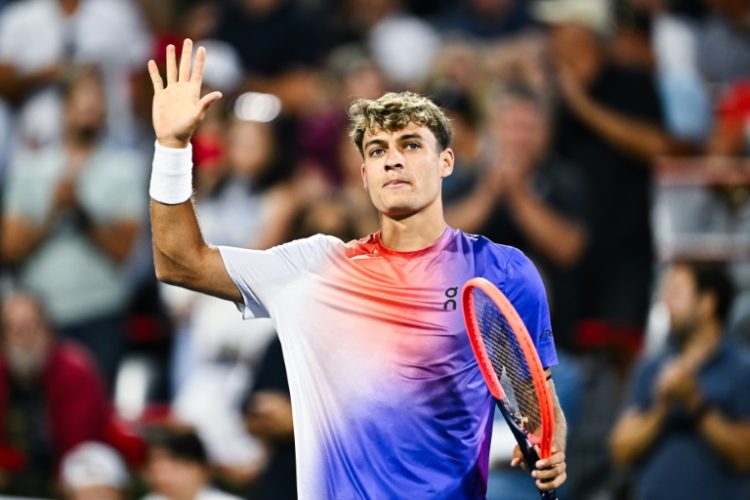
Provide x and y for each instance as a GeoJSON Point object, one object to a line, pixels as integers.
{"type": "Point", "coordinates": [28, 11]}
{"type": "Point", "coordinates": [491, 257]}
{"type": "Point", "coordinates": [485, 251]}
{"type": "Point", "coordinates": [72, 361]}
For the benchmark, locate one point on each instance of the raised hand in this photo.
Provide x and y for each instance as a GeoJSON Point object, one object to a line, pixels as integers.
{"type": "Point", "coordinates": [178, 108]}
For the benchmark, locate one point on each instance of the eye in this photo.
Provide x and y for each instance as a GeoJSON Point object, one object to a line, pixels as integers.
{"type": "Point", "coordinates": [375, 152]}
{"type": "Point", "coordinates": [413, 146]}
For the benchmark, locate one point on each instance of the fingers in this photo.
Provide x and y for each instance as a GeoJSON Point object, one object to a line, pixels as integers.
{"type": "Point", "coordinates": [156, 81]}
{"type": "Point", "coordinates": [518, 460]}
{"type": "Point", "coordinates": [207, 100]}
{"type": "Point", "coordinates": [200, 60]}
{"type": "Point", "coordinates": [187, 55]}
{"type": "Point", "coordinates": [550, 472]}
{"type": "Point", "coordinates": [171, 65]}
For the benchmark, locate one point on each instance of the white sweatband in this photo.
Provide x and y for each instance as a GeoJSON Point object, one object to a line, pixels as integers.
{"type": "Point", "coordinates": [171, 174]}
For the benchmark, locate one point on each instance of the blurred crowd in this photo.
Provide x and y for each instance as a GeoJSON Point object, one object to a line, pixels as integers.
{"type": "Point", "coordinates": [607, 139]}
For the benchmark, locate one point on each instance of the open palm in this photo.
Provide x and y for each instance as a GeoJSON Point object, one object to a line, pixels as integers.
{"type": "Point", "coordinates": [178, 108]}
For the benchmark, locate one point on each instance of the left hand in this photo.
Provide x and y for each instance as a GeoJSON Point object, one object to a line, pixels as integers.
{"type": "Point", "coordinates": [677, 382]}
{"type": "Point", "coordinates": [549, 473]}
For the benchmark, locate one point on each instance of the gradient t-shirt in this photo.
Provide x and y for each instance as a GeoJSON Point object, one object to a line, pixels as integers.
{"type": "Point", "coordinates": [387, 398]}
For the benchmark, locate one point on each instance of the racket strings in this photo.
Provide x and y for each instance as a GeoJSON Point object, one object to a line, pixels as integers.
{"type": "Point", "coordinates": [508, 363]}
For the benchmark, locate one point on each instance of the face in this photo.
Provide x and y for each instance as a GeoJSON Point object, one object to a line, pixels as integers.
{"type": "Point", "coordinates": [85, 105]}
{"type": "Point", "coordinates": [172, 477]}
{"type": "Point", "coordinates": [249, 147]}
{"type": "Point", "coordinates": [520, 129]}
{"type": "Point", "coordinates": [26, 337]}
{"type": "Point", "coordinates": [403, 170]}
{"type": "Point", "coordinates": [682, 301]}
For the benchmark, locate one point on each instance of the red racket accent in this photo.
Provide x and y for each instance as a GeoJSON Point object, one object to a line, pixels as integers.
{"type": "Point", "coordinates": [542, 436]}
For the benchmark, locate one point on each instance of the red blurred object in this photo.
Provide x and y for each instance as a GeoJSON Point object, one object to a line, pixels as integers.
{"type": "Point", "coordinates": [208, 151]}
{"type": "Point", "coordinates": [122, 437]}
{"type": "Point", "coordinates": [734, 104]}
{"type": "Point", "coordinates": [592, 334]}
{"type": "Point", "coordinates": [11, 460]}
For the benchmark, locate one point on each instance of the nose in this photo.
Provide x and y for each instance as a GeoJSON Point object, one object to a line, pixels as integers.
{"type": "Point", "coordinates": [394, 160]}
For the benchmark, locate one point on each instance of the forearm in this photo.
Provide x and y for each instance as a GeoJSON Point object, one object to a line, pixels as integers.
{"type": "Point", "coordinates": [115, 240]}
{"type": "Point", "coordinates": [635, 432]}
{"type": "Point", "coordinates": [636, 137]}
{"type": "Point", "coordinates": [561, 423]}
{"type": "Point", "coordinates": [557, 238]}
{"type": "Point", "coordinates": [730, 439]}
{"type": "Point", "coordinates": [14, 85]}
{"type": "Point", "coordinates": [20, 238]}
{"type": "Point", "coordinates": [177, 241]}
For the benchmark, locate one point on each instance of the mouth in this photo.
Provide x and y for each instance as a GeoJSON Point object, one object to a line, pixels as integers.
{"type": "Point", "coordinates": [395, 183]}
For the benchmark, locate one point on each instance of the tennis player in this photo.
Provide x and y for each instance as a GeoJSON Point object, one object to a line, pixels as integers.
{"type": "Point", "coordinates": [388, 401]}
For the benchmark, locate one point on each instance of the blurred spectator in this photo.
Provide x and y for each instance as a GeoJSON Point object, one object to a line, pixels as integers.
{"type": "Point", "coordinates": [466, 142]}
{"type": "Point", "coordinates": [268, 408]}
{"type": "Point", "coordinates": [687, 424]}
{"type": "Point", "coordinates": [610, 124]}
{"type": "Point", "coordinates": [72, 213]}
{"type": "Point", "coordinates": [485, 19]}
{"type": "Point", "coordinates": [268, 416]}
{"type": "Point", "coordinates": [274, 60]}
{"type": "Point", "coordinates": [51, 399]}
{"type": "Point", "coordinates": [178, 468]}
{"type": "Point", "coordinates": [93, 471]}
{"type": "Point", "coordinates": [531, 199]}
{"type": "Point", "coordinates": [260, 29]}
{"type": "Point", "coordinates": [723, 47]}
{"type": "Point", "coordinates": [674, 38]}
{"type": "Point", "coordinates": [41, 39]}
{"type": "Point", "coordinates": [216, 353]}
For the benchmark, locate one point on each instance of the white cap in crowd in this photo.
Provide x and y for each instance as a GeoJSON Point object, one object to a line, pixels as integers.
{"type": "Point", "coordinates": [597, 15]}
{"type": "Point", "coordinates": [93, 464]}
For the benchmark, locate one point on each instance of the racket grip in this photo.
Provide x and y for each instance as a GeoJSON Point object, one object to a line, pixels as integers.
{"type": "Point", "coordinates": [548, 495]}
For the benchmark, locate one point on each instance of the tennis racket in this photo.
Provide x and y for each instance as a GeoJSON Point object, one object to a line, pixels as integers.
{"type": "Point", "coordinates": [511, 368]}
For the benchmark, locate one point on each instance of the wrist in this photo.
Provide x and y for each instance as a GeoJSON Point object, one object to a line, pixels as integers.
{"type": "Point", "coordinates": [699, 412]}
{"type": "Point", "coordinates": [171, 174]}
{"type": "Point", "coordinates": [173, 142]}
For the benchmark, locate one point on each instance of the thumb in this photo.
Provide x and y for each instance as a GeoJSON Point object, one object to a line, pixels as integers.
{"type": "Point", "coordinates": [208, 99]}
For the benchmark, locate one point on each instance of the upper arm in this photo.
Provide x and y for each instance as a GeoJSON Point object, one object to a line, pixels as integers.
{"type": "Point", "coordinates": [525, 289]}
{"type": "Point", "coordinates": [209, 277]}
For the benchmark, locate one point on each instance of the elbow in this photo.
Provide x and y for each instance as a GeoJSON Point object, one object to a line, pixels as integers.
{"type": "Point", "coordinates": [10, 254]}
{"type": "Point", "coordinates": [621, 450]}
{"type": "Point", "coordinates": [742, 462]}
{"type": "Point", "coordinates": [174, 271]}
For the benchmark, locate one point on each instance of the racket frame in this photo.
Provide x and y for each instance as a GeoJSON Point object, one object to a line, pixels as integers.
{"type": "Point", "coordinates": [525, 438]}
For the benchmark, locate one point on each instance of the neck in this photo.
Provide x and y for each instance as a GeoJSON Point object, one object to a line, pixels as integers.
{"type": "Point", "coordinates": [79, 140]}
{"type": "Point", "coordinates": [705, 339]}
{"type": "Point", "coordinates": [414, 232]}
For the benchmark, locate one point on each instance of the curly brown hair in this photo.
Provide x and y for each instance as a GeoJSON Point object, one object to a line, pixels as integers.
{"type": "Point", "coordinates": [394, 111]}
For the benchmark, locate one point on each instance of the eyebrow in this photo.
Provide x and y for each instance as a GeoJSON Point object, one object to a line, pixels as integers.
{"type": "Point", "coordinates": [405, 137]}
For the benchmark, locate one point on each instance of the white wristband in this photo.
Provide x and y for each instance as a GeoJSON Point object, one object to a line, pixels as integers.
{"type": "Point", "coordinates": [171, 174]}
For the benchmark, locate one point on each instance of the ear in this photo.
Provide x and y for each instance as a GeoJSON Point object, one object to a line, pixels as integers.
{"type": "Point", "coordinates": [364, 175]}
{"type": "Point", "coordinates": [447, 160]}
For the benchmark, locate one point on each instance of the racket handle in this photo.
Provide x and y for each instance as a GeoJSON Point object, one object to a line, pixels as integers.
{"type": "Point", "coordinates": [548, 495]}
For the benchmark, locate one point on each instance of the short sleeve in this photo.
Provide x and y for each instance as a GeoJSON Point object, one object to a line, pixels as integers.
{"type": "Point", "coordinates": [261, 274]}
{"type": "Point", "coordinates": [525, 290]}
